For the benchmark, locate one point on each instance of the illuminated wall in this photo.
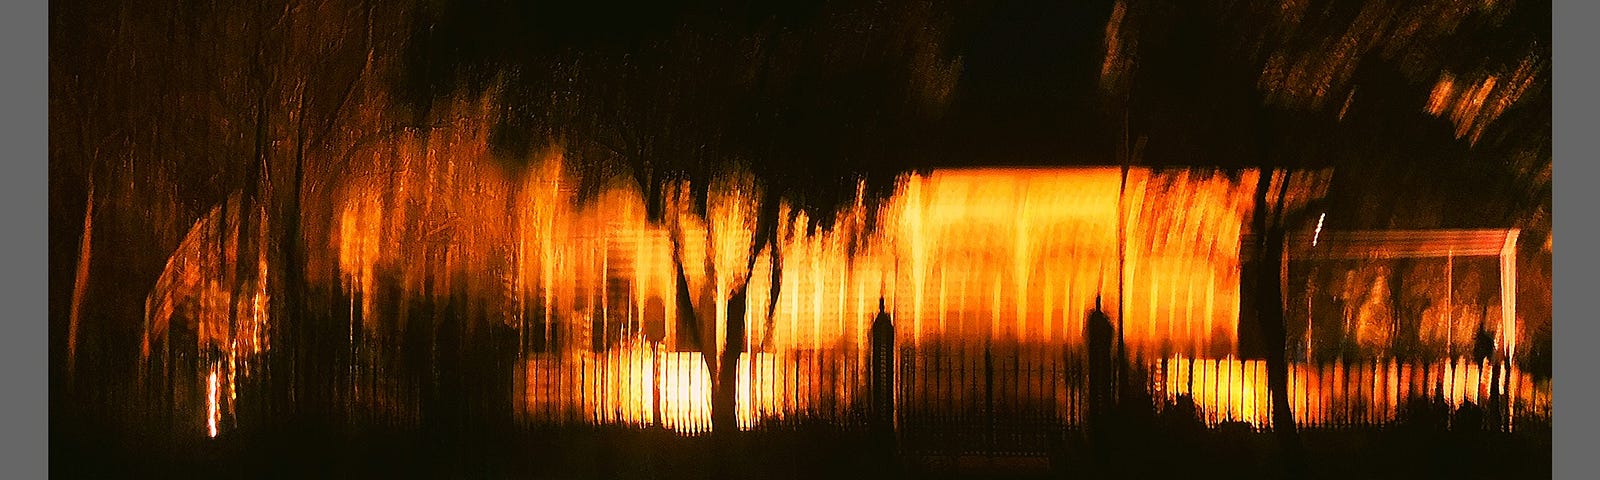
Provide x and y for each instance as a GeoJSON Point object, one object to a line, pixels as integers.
{"type": "Point", "coordinates": [1008, 259]}
{"type": "Point", "coordinates": [978, 260]}
{"type": "Point", "coordinates": [1013, 256]}
{"type": "Point", "coordinates": [1021, 254]}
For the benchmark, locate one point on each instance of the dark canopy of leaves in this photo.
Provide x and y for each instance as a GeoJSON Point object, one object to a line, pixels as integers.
{"type": "Point", "coordinates": [811, 97]}
{"type": "Point", "coordinates": [1219, 86]}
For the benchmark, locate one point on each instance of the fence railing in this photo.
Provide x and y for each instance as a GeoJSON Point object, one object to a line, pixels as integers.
{"type": "Point", "coordinates": [997, 394]}
{"type": "Point", "coordinates": [1371, 392]}
{"type": "Point", "coordinates": [644, 385]}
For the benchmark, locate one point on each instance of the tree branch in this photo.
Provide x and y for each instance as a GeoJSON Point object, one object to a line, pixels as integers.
{"type": "Point", "coordinates": [686, 305]}
{"type": "Point", "coordinates": [775, 288]}
{"type": "Point", "coordinates": [350, 88]}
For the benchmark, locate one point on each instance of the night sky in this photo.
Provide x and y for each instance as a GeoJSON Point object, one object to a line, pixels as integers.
{"type": "Point", "coordinates": [1029, 89]}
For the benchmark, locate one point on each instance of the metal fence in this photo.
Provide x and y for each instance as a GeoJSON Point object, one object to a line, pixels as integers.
{"type": "Point", "coordinates": [1359, 393]}
{"type": "Point", "coordinates": [998, 396]}
{"type": "Point", "coordinates": [652, 386]}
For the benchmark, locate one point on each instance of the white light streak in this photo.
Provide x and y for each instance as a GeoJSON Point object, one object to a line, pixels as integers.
{"type": "Point", "coordinates": [1318, 233]}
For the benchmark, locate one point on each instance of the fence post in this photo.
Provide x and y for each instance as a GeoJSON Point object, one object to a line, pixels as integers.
{"type": "Point", "coordinates": [882, 369]}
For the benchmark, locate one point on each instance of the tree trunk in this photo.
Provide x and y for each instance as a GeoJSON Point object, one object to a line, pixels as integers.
{"type": "Point", "coordinates": [723, 394]}
{"type": "Point", "coordinates": [1400, 329]}
{"type": "Point", "coordinates": [289, 242]}
{"type": "Point", "coordinates": [1269, 313]}
{"type": "Point", "coordinates": [724, 404]}
{"type": "Point", "coordinates": [249, 202]}
{"type": "Point", "coordinates": [724, 391]}
{"type": "Point", "coordinates": [1269, 317]}
{"type": "Point", "coordinates": [80, 283]}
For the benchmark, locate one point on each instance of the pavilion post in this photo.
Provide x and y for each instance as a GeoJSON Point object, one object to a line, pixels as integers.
{"type": "Point", "coordinates": [1508, 313]}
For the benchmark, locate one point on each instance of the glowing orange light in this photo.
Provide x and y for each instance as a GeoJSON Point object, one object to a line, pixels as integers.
{"type": "Point", "coordinates": [991, 257]}
{"type": "Point", "coordinates": [212, 409]}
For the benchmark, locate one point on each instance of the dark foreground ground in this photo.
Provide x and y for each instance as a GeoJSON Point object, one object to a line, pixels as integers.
{"type": "Point", "coordinates": [802, 452]}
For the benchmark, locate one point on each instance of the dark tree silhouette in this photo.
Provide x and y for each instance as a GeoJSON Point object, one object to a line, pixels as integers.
{"type": "Point", "coordinates": [1312, 84]}
{"type": "Point", "coordinates": [811, 101]}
